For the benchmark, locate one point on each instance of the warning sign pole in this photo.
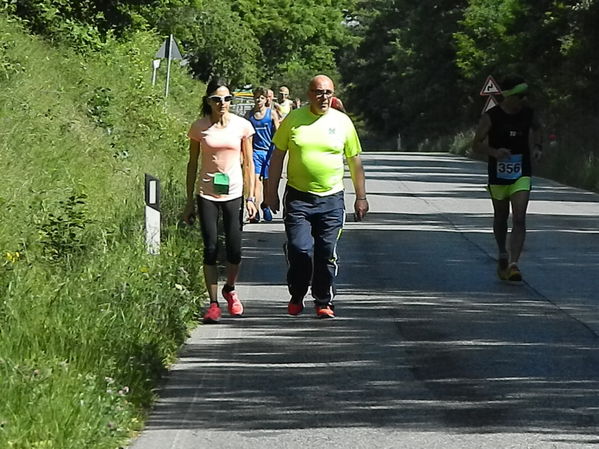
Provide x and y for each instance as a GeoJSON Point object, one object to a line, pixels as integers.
{"type": "Point", "coordinates": [170, 51]}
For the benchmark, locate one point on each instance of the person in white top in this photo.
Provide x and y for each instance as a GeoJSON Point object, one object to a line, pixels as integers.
{"type": "Point", "coordinates": [284, 105]}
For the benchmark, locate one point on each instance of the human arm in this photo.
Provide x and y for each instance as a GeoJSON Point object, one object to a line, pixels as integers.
{"type": "Point", "coordinates": [480, 144]}
{"type": "Point", "coordinates": [359, 181]}
{"type": "Point", "coordinates": [536, 131]}
{"type": "Point", "coordinates": [276, 120]}
{"type": "Point", "coordinates": [275, 170]}
{"type": "Point", "coordinates": [248, 176]}
{"type": "Point", "coordinates": [192, 170]}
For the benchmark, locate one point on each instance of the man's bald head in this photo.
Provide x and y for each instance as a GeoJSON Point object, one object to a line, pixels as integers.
{"type": "Point", "coordinates": [320, 91]}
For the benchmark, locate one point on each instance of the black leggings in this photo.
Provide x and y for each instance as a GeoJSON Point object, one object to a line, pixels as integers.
{"type": "Point", "coordinates": [232, 213]}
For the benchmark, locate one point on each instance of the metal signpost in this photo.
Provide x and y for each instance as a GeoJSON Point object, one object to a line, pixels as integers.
{"type": "Point", "coordinates": [170, 51]}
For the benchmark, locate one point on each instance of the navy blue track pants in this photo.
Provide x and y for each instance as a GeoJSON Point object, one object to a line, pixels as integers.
{"type": "Point", "coordinates": [313, 226]}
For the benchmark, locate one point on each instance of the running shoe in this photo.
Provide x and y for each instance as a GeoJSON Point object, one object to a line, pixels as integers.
{"type": "Point", "coordinates": [295, 307]}
{"type": "Point", "coordinates": [513, 273]}
{"type": "Point", "coordinates": [213, 313]}
{"type": "Point", "coordinates": [256, 218]}
{"type": "Point", "coordinates": [267, 214]}
{"type": "Point", "coordinates": [502, 268]}
{"type": "Point", "coordinates": [233, 303]}
{"type": "Point", "coordinates": [324, 312]}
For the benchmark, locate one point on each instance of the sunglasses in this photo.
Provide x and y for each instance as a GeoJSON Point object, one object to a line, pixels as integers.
{"type": "Point", "coordinates": [322, 92]}
{"type": "Point", "coordinates": [219, 99]}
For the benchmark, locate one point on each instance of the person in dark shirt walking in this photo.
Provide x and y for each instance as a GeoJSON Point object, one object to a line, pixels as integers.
{"type": "Point", "coordinates": [505, 134]}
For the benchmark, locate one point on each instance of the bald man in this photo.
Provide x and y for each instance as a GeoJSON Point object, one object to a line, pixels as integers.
{"type": "Point", "coordinates": [317, 138]}
{"type": "Point", "coordinates": [284, 104]}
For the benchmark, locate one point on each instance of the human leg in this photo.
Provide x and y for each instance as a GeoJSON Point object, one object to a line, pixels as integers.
{"type": "Point", "coordinates": [266, 212]}
{"type": "Point", "coordinates": [259, 157]}
{"type": "Point", "coordinates": [519, 201]}
{"type": "Point", "coordinates": [233, 225]}
{"type": "Point", "coordinates": [501, 212]}
{"type": "Point", "coordinates": [327, 227]}
{"type": "Point", "coordinates": [300, 242]}
{"type": "Point", "coordinates": [208, 216]}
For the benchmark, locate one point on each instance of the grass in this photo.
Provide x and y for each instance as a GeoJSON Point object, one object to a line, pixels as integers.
{"type": "Point", "coordinates": [88, 320]}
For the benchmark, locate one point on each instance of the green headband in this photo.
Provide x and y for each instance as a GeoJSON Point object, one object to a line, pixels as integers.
{"type": "Point", "coordinates": [518, 89]}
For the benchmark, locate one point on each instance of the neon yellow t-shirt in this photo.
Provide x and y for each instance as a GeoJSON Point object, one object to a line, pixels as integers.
{"type": "Point", "coordinates": [316, 146]}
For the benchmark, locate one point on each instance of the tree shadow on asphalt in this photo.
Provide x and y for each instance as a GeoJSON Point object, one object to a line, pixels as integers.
{"type": "Point", "coordinates": [426, 337]}
{"type": "Point", "coordinates": [415, 347]}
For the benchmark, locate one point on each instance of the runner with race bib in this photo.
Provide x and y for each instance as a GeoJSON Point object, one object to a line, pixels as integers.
{"type": "Point", "coordinates": [504, 133]}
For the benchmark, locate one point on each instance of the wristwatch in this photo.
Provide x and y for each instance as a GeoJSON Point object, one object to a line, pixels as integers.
{"type": "Point", "coordinates": [251, 199]}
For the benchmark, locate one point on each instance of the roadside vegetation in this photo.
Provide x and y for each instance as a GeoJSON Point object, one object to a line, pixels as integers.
{"type": "Point", "coordinates": [88, 320]}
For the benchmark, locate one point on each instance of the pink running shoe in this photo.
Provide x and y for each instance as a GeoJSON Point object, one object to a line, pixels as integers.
{"type": "Point", "coordinates": [233, 303]}
{"type": "Point", "coordinates": [213, 313]}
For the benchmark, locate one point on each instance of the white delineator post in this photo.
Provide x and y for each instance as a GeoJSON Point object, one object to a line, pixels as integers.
{"type": "Point", "coordinates": [152, 194]}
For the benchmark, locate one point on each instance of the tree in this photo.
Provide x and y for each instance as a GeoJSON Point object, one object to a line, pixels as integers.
{"type": "Point", "coordinates": [217, 41]}
{"type": "Point", "coordinates": [403, 77]}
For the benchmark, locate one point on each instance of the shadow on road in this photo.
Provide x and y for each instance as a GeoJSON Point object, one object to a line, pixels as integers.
{"type": "Point", "coordinates": [426, 337]}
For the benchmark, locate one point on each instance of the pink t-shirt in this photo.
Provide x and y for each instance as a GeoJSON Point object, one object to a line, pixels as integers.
{"type": "Point", "coordinates": [220, 152]}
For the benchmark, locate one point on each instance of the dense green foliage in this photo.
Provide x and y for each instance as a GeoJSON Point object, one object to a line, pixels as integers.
{"type": "Point", "coordinates": [431, 59]}
{"type": "Point", "coordinates": [88, 320]}
{"type": "Point", "coordinates": [419, 66]}
{"type": "Point", "coordinates": [424, 61]}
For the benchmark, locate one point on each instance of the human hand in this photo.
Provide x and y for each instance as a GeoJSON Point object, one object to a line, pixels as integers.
{"type": "Point", "coordinates": [189, 213]}
{"type": "Point", "coordinates": [537, 154]}
{"type": "Point", "coordinates": [360, 208]}
{"type": "Point", "coordinates": [251, 208]}
{"type": "Point", "coordinates": [502, 154]}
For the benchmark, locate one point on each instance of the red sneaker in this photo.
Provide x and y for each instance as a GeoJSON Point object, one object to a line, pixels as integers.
{"type": "Point", "coordinates": [213, 313]}
{"type": "Point", "coordinates": [233, 303]}
{"type": "Point", "coordinates": [324, 312]}
{"type": "Point", "coordinates": [295, 307]}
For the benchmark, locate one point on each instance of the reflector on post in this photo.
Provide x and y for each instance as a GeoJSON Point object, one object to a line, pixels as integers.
{"type": "Point", "coordinates": [152, 197]}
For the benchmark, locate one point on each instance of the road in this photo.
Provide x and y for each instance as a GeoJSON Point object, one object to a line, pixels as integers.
{"type": "Point", "coordinates": [429, 349]}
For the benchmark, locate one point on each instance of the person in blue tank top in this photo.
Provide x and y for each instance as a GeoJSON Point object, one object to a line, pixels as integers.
{"type": "Point", "coordinates": [505, 134]}
{"type": "Point", "coordinates": [265, 123]}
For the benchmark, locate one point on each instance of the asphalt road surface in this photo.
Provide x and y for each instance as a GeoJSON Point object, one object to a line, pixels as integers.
{"type": "Point", "coordinates": [429, 349]}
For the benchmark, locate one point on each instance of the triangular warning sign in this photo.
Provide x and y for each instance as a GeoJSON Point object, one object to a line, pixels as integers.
{"type": "Point", "coordinates": [490, 103]}
{"type": "Point", "coordinates": [490, 87]}
{"type": "Point", "coordinates": [169, 49]}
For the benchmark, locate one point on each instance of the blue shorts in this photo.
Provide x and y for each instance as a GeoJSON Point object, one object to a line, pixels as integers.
{"type": "Point", "coordinates": [261, 163]}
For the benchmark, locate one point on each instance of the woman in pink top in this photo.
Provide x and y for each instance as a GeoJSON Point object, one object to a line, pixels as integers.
{"type": "Point", "coordinates": [222, 142]}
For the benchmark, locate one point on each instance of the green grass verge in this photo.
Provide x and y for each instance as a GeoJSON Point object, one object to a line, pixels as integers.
{"type": "Point", "coordinates": [88, 320]}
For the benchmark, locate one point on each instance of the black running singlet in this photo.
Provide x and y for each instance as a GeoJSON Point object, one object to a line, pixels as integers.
{"type": "Point", "coordinates": [510, 131]}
